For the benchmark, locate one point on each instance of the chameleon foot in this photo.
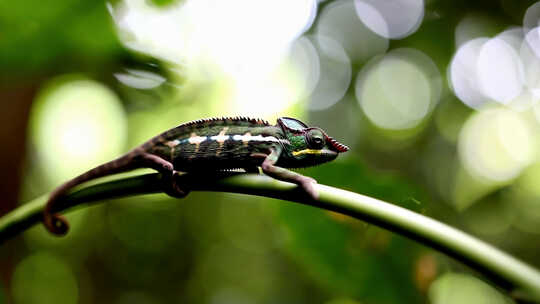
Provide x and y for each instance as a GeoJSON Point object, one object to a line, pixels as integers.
{"type": "Point", "coordinates": [174, 187]}
{"type": "Point", "coordinates": [308, 185]}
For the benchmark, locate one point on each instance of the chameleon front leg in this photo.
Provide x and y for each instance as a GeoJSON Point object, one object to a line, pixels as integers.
{"type": "Point", "coordinates": [269, 168]}
{"type": "Point", "coordinates": [166, 168]}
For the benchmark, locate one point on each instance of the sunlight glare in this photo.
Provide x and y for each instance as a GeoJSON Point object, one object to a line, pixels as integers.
{"type": "Point", "coordinates": [239, 36]}
{"type": "Point", "coordinates": [242, 43]}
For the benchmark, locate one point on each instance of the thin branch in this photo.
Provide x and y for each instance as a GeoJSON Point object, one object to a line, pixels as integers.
{"type": "Point", "coordinates": [505, 270]}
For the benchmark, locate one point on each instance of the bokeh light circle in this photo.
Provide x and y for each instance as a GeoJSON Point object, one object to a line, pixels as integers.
{"type": "Point", "coordinates": [463, 74]}
{"type": "Point", "coordinates": [339, 21]}
{"type": "Point", "coordinates": [500, 71]}
{"type": "Point", "coordinates": [514, 38]}
{"type": "Point", "coordinates": [496, 145]}
{"type": "Point", "coordinates": [304, 59]}
{"type": "Point", "coordinates": [531, 17]}
{"type": "Point", "coordinates": [487, 71]}
{"type": "Point", "coordinates": [44, 279]}
{"type": "Point", "coordinates": [530, 54]}
{"type": "Point", "coordinates": [76, 124]}
{"type": "Point", "coordinates": [391, 18]}
{"type": "Point", "coordinates": [399, 90]}
{"type": "Point", "coordinates": [335, 73]}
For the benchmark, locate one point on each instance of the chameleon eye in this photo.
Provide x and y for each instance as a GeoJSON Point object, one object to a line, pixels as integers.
{"type": "Point", "coordinates": [315, 139]}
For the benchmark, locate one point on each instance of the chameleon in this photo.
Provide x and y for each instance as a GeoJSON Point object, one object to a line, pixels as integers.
{"type": "Point", "coordinates": [216, 144]}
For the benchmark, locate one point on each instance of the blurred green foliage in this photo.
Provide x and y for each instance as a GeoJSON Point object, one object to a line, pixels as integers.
{"type": "Point", "coordinates": [349, 256]}
{"type": "Point", "coordinates": [219, 248]}
{"type": "Point", "coordinates": [38, 39]}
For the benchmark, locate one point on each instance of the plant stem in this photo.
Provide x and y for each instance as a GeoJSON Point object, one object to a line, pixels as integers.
{"type": "Point", "coordinates": [505, 270]}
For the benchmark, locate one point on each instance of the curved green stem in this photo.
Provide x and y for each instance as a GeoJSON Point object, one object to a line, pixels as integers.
{"type": "Point", "coordinates": [505, 270]}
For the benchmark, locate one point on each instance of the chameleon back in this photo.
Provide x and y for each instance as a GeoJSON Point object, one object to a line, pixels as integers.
{"type": "Point", "coordinates": [217, 144]}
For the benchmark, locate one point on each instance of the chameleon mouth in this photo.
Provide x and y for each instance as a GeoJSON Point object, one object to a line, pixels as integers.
{"type": "Point", "coordinates": [325, 152]}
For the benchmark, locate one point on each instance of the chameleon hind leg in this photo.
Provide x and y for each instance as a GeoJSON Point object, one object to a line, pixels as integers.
{"type": "Point", "coordinates": [268, 166]}
{"type": "Point", "coordinates": [171, 185]}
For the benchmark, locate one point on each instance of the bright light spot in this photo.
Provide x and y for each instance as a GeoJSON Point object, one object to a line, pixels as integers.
{"type": "Point", "coordinates": [261, 95]}
{"type": "Point", "coordinates": [43, 278]}
{"type": "Point", "coordinates": [531, 17]}
{"type": "Point", "coordinates": [139, 79]}
{"type": "Point", "coordinates": [339, 21]}
{"type": "Point", "coordinates": [237, 36]}
{"type": "Point", "coordinates": [397, 91]}
{"type": "Point", "coordinates": [463, 74]}
{"type": "Point", "coordinates": [500, 71]}
{"type": "Point", "coordinates": [391, 18]}
{"type": "Point", "coordinates": [454, 288]}
{"type": "Point", "coordinates": [76, 124]}
{"type": "Point", "coordinates": [335, 75]}
{"type": "Point", "coordinates": [514, 38]}
{"type": "Point", "coordinates": [495, 145]}
{"type": "Point", "coordinates": [242, 44]}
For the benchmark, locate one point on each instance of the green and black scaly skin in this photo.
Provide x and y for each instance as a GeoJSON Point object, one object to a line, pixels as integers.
{"type": "Point", "coordinates": [215, 144]}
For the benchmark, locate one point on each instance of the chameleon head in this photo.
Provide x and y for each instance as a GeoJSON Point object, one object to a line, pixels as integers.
{"type": "Point", "coordinates": [309, 146]}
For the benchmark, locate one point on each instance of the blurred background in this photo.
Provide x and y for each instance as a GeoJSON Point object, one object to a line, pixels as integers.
{"type": "Point", "coordinates": [438, 100]}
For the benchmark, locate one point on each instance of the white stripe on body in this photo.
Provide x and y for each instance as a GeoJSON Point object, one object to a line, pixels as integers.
{"type": "Point", "coordinates": [223, 138]}
{"type": "Point", "coordinates": [197, 140]}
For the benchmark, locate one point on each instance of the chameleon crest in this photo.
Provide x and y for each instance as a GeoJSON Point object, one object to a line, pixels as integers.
{"type": "Point", "coordinates": [215, 144]}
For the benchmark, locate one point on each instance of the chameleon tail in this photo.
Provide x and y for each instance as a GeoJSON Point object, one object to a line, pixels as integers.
{"type": "Point", "coordinates": [57, 224]}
